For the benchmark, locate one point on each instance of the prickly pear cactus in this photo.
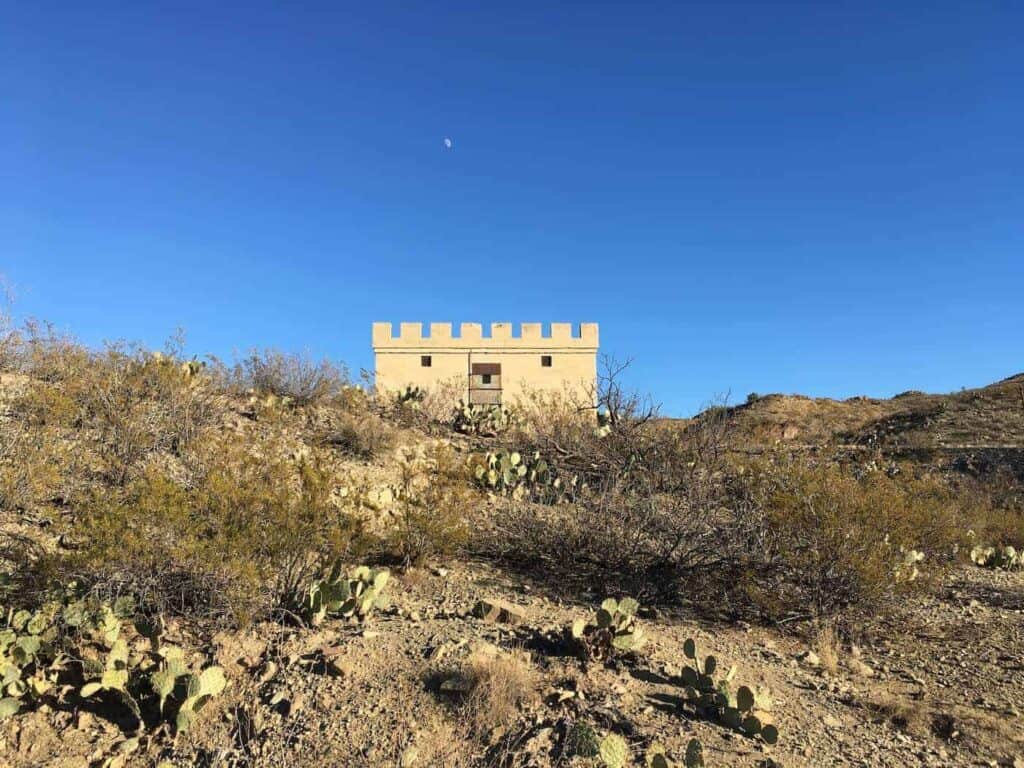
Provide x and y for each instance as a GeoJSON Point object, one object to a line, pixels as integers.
{"type": "Point", "coordinates": [613, 751]}
{"type": "Point", "coordinates": [411, 397]}
{"type": "Point", "coordinates": [352, 596]}
{"type": "Point", "coordinates": [906, 569]}
{"type": "Point", "coordinates": [27, 669]}
{"type": "Point", "coordinates": [519, 476]}
{"type": "Point", "coordinates": [199, 690]}
{"type": "Point", "coordinates": [657, 757]}
{"type": "Point", "coordinates": [712, 698]}
{"type": "Point", "coordinates": [613, 631]}
{"type": "Point", "coordinates": [1006, 558]}
{"type": "Point", "coordinates": [483, 420]}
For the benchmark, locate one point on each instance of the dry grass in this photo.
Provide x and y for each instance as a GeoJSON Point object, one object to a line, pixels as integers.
{"type": "Point", "coordinates": [826, 645]}
{"type": "Point", "coordinates": [500, 685]}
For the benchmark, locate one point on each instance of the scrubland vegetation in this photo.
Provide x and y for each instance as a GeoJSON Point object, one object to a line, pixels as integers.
{"type": "Point", "coordinates": [149, 493]}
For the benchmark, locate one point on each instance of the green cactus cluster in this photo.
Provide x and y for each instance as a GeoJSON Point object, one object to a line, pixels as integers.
{"type": "Point", "coordinates": [27, 660]}
{"type": "Point", "coordinates": [613, 751]}
{"type": "Point", "coordinates": [518, 476]}
{"type": "Point", "coordinates": [75, 644]}
{"type": "Point", "coordinates": [1005, 558]}
{"type": "Point", "coordinates": [194, 689]}
{"type": "Point", "coordinates": [483, 420]}
{"type": "Point", "coordinates": [614, 631]}
{"type": "Point", "coordinates": [906, 568]}
{"type": "Point", "coordinates": [411, 397]}
{"type": "Point", "coordinates": [744, 709]}
{"type": "Point", "coordinates": [352, 597]}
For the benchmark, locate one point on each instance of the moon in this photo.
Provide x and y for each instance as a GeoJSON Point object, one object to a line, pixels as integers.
{"type": "Point", "coordinates": [448, 143]}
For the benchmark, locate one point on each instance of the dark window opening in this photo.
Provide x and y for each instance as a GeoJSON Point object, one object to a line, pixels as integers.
{"type": "Point", "coordinates": [425, 361]}
{"type": "Point", "coordinates": [486, 378]}
{"type": "Point", "coordinates": [545, 361]}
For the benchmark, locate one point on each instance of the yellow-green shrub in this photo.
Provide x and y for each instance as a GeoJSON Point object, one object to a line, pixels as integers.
{"type": "Point", "coordinates": [431, 504]}
{"type": "Point", "coordinates": [825, 539]}
{"type": "Point", "coordinates": [238, 542]}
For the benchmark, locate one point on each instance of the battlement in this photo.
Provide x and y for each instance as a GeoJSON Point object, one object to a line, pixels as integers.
{"type": "Point", "coordinates": [561, 337]}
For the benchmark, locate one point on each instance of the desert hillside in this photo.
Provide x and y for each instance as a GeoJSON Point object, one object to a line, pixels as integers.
{"type": "Point", "coordinates": [262, 564]}
{"type": "Point", "coordinates": [975, 430]}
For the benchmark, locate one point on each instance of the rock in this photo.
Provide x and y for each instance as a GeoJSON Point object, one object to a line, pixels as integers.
{"type": "Point", "coordinates": [339, 667]}
{"type": "Point", "coordinates": [499, 611]}
{"type": "Point", "coordinates": [809, 658]}
{"type": "Point", "coordinates": [858, 667]}
{"type": "Point", "coordinates": [269, 671]}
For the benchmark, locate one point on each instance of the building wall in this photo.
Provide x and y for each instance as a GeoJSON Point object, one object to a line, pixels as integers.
{"type": "Point", "coordinates": [573, 358]}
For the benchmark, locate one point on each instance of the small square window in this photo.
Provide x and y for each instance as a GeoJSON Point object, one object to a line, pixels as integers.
{"type": "Point", "coordinates": [425, 361]}
{"type": "Point", "coordinates": [545, 361]}
{"type": "Point", "coordinates": [485, 378]}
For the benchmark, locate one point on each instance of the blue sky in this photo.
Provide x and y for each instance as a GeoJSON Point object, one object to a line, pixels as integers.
{"type": "Point", "coordinates": [812, 197]}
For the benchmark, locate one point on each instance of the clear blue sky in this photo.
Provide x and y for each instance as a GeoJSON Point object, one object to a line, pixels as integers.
{"type": "Point", "coordinates": [816, 197]}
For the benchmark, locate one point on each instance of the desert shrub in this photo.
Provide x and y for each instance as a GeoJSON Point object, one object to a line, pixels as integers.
{"type": "Point", "coordinates": [431, 500]}
{"type": "Point", "coordinates": [135, 403]}
{"type": "Point", "coordinates": [48, 355]}
{"type": "Point", "coordinates": [429, 410]}
{"type": "Point", "coordinates": [824, 539]}
{"type": "Point", "coordinates": [33, 466]}
{"type": "Point", "coordinates": [993, 509]}
{"type": "Point", "coordinates": [238, 542]}
{"type": "Point", "coordinates": [124, 402]}
{"type": "Point", "coordinates": [646, 507]}
{"type": "Point", "coordinates": [296, 378]}
{"type": "Point", "coordinates": [363, 435]}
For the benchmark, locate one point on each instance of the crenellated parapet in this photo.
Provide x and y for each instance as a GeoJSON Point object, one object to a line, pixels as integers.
{"type": "Point", "coordinates": [562, 336]}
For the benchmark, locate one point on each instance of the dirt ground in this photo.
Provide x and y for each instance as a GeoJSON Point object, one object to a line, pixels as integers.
{"type": "Point", "coordinates": [939, 684]}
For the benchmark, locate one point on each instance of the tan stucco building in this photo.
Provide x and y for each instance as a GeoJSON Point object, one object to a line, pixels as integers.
{"type": "Point", "coordinates": [491, 370]}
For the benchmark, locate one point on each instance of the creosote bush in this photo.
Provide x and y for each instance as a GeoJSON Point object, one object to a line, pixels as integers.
{"type": "Point", "coordinates": [33, 466]}
{"type": "Point", "coordinates": [238, 541]}
{"type": "Point", "coordinates": [295, 378]}
{"type": "Point", "coordinates": [123, 403]}
{"type": "Point", "coordinates": [824, 539]}
{"type": "Point", "coordinates": [431, 500]}
{"type": "Point", "coordinates": [647, 504]}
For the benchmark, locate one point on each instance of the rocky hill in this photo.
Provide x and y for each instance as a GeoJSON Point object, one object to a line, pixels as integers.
{"type": "Point", "coordinates": [977, 430]}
